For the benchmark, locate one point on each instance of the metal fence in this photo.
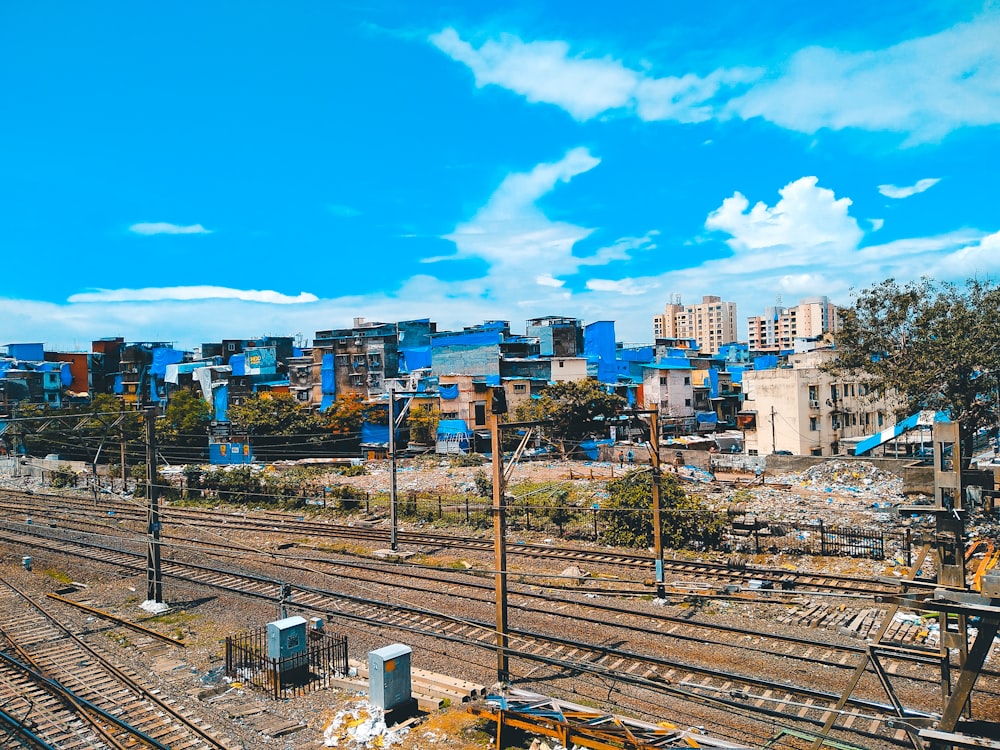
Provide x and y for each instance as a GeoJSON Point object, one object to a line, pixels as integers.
{"type": "Point", "coordinates": [325, 657]}
{"type": "Point", "coordinates": [820, 539]}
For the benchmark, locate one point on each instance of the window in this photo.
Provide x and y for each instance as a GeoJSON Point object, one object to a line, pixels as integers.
{"type": "Point", "coordinates": [835, 422]}
{"type": "Point", "coordinates": [519, 387]}
{"type": "Point", "coordinates": [816, 451]}
{"type": "Point", "coordinates": [813, 423]}
{"type": "Point", "coordinates": [833, 392]}
{"type": "Point", "coordinates": [561, 363]}
{"type": "Point", "coordinates": [231, 347]}
{"type": "Point", "coordinates": [449, 415]}
{"type": "Point", "coordinates": [813, 393]}
{"type": "Point", "coordinates": [480, 412]}
{"type": "Point", "coordinates": [687, 380]}
{"type": "Point", "coordinates": [687, 402]}
{"type": "Point", "coordinates": [663, 381]}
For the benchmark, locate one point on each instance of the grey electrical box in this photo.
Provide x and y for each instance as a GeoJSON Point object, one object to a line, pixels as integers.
{"type": "Point", "coordinates": [286, 638]}
{"type": "Point", "coordinates": [389, 676]}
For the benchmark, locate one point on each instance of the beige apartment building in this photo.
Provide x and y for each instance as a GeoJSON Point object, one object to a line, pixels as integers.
{"type": "Point", "coordinates": [806, 411]}
{"type": "Point", "coordinates": [711, 323]}
{"type": "Point", "coordinates": [778, 328]}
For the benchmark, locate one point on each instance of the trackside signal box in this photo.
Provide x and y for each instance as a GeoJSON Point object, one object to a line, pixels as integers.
{"type": "Point", "coordinates": [389, 676]}
{"type": "Point", "coordinates": [286, 638]}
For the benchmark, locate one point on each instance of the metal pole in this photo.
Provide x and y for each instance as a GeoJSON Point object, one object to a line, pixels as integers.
{"type": "Point", "coordinates": [154, 575]}
{"type": "Point", "coordinates": [124, 470]}
{"type": "Point", "coordinates": [774, 440]}
{"type": "Point", "coordinates": [500, 547]}
{"type": "Point", "coordinates": [393, 534]}
{"type": "Point", "coordinates": [654, 451]}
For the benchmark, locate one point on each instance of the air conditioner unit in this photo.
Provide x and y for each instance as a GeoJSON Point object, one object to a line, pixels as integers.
{"type": "Point", "coordinates": [813, 403]}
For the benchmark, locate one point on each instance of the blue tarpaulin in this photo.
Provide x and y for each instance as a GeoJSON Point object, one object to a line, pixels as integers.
{"type": "Point", "coordinates": [713, 383]}
{"type": "Point", "coordinates": [414, 358]}
{"type": "Point", "coordinates": [239, 364]}
{"type": "Point", "coordinates": [327, 401]}
{"type": "Point", "coordinates": [118, 389]}
{"type": "Point", "coordinates": [706, 417]}
{"type": "Point", "coordinates": [448, 391]}
{"type": "Point", "coordinates": [374, 434]}
{"type": "Point", "coordinates": [765, 362]}
{"type": "Point", "coordinates": [162, 356]}
{"type": "Point", "coordinates": [220, 399]}
{"type": "Point", "coordinates": [328, 380]}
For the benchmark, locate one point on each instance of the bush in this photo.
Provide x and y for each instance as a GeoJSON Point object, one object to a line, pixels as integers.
{"type": "Point", "coordinates": [467, 459]}
{"type": "Point", "coordinates": [63, 477]}
{"type": "Point", "coordinates": [354, 470]}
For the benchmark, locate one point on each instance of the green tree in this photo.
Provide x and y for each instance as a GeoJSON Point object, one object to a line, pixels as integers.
{"type": "Point", "coordinates": [274, 414]}
{"type": "Point", "coordinates": [931, 345]}
{"type": "Point", "coordinates": [686, 520]}
{"type": "Point", "coordinates": [423, 421]}
{"type": "Point", "coordinates": [185, 420]}
{"type": "Point", "coordinates": [576, 409]}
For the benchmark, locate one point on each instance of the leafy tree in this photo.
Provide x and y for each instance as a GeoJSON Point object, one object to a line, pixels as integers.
{"type": "Point", "coordinates": [576, 409]}
{"type": "Point", "coordinates": [274, 414]}
{"type": "Point", "coordinates": [685, 519]}
{"type": "Point", "coordinates": [185, 420]}
{"type": "Point", "coordinates": [423, 421]}
{"type": "Point", "coordinates": [345, 414]}
{"type": "Point", "coordinates": [932, 345]}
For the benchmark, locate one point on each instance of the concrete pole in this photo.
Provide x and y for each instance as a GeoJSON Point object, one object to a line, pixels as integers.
{"type": "Point", "coordinates": [654, 455]}
{"type": "Point", "coordinates": [500, 547]}
{"type": "Point", "coordinates": [394, 533]}
{"type": "Point", "coordinates": [154, 574]}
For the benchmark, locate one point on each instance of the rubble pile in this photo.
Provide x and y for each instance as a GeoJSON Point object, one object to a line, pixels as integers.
{"type": "Point", "coordinates": [857, 478]}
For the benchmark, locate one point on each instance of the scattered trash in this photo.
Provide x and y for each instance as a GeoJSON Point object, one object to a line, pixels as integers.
{"type": "Point", "coordinates": [362, 726]}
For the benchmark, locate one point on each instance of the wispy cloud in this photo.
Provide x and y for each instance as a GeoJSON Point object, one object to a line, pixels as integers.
{"type": "Point", "coordinates": [547, 71]}
{"type": "Point", "coordinates": [892, 191]}
{"type": "Point", "coordinates": [924, 87]}
{"type": "Point", "coordinates": [513, 235]}
{"type": "Point", "coordinates": [163, 227]}
{"type": "Point", "coordinates": [189, 293]}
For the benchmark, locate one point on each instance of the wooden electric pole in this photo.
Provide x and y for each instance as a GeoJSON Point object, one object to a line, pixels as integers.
{"type": "Point", "coordinates": [154, 575]}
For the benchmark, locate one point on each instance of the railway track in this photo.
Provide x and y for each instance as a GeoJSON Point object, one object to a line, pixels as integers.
{"type": "Point", "coordinates": [802, 705]}
{"type": "Point", "coordinates": [296, 526]}
{"type": "Point", "coordinates": [57, 691]}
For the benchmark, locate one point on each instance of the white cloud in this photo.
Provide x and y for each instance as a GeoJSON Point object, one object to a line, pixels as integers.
{"type": "Point", "coordinates": [546, 71]}
{"type": "Point", "coordinates": [628, 287]}
{"type": "Point", "coordinates": [188, 293]}
{"type": "Point", "coordinates": [892, 191]}
{"type": "Point", "coordinates": [877, 224]}
{"type": "Point", "coordinates": [926, 87]}
{"type": "Point", "coordinates": [512, 234]}
{"type": "Point", "coordinates": [547, 279]}
{"type": "Point", "coordinates": [807, 221]}
{"type": "Point", "coordinates": [163, 227]}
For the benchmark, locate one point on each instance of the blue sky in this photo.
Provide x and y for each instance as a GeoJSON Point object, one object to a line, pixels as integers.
{"type": "Point", "coordinates": [193, 171]}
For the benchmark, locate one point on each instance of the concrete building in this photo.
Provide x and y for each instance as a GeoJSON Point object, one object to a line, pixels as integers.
{"type": "Point", "coordinates": [779, 328]}
{"type": "Point", "coordinates": [711, 323]}
{"type": "Point", "coordinates": [804, 410]}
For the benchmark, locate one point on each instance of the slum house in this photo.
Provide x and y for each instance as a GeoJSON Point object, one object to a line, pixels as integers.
{"type": "Point", "coordinates": [794, 405]}
{"type": "Point", "coordinates": [362, 358]}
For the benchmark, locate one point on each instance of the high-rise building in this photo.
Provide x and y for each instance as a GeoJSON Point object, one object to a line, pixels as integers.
{"type": "Point", "coordinates": [711, 323]}
{"type": "Point", "coordinates": [776, 330]}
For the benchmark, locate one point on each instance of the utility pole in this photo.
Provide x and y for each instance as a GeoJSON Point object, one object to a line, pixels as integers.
{"type": "Point", "coordinates": [498, 407]}
{"type": "Point", "coordinates": [774, 440]}
{"type": "Point", "coordinates": [154, 575]}
{"type": "Point", "coordinates": [654, 455]}
{"type": "Point", "coordinates": [123, 467]}
{"type": "Point", "coordinates": [393, 534]}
